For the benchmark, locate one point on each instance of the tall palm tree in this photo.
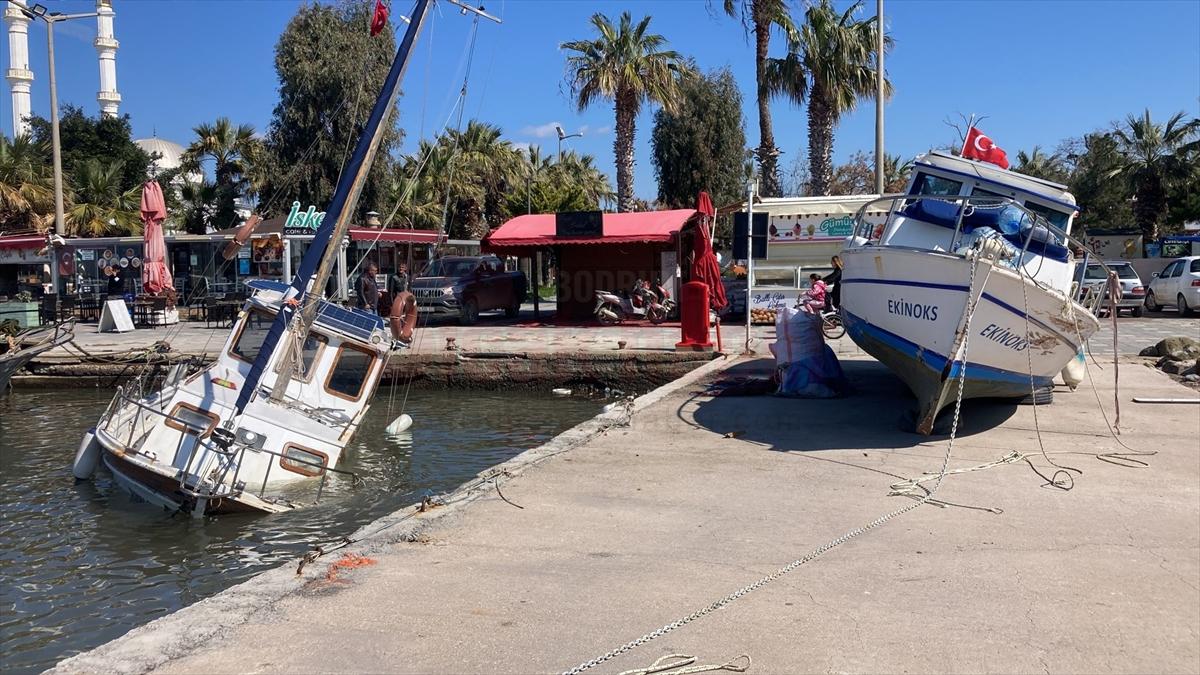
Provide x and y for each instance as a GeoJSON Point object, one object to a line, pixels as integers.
{"type": "Point", "coordinates": [233, 151]}
{"type": "Point", "coordinates": [26, 192]}
{"type": "Point", "coordinates": [630, 66]}
{"type": "Point", "coordinates": [1039, 164]}
{"type": "Point", "coordinates": [195, 206]}
{"type": "Point", "coordinates": [100, 208]}
{"type": "Point", "coordinates": [831, 63]}
{"type": "Point", "coordinates": [895, 173]}
{"type": "Point", "coordinates": [1155, 156]}
{"type": "Point", "coordinates": [762, 17]}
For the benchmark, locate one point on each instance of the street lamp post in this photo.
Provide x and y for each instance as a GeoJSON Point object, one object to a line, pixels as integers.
{"type": "Point", "coordinates": [562, 136]}
{"type": "Point", "coordinates": [879, 156]}
{"type": "Point", "coordinates": [51, 18]}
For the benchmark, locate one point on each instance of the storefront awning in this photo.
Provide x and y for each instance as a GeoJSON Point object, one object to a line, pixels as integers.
{"type": "Point", "coordinates": [23, 241]}
{"type": "Point", "coordinates": [619, 228]}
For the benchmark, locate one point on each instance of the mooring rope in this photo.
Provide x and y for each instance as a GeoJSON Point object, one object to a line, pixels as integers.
{"type": "Point", "coordinates": [969, 312]}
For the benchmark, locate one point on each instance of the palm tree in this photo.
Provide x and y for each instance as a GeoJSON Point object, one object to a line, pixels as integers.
{"type": "Point", "coordinates": [762, 17]}
{"type": "Point", "coordinates": [1154, 157]}
{"type": "Point", "coordinates": [233, 151]}
{"type": "Point", "coordinates": [895, 173]}
{"type": "Point", "coordinates": [629, 66]}
{"type": "Point", "coordinates": [26, 192]}
{"type": "Point", "coordinates": [100, 208]}
{"type": "Point", "coordinates": [831, 63]}
{"type": "Point", "coordinates": [1038, 164]}
{"type": "Point", "coordinates": [195, 206]}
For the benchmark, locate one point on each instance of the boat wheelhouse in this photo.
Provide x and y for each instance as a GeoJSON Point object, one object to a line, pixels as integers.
{"type": "Point", "coordinates": [967, 233]}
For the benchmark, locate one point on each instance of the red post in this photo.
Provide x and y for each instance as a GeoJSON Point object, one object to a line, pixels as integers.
{"type": "Point", "coordinates": [693, 317]}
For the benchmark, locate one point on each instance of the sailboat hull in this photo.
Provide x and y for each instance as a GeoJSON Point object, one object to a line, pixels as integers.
{"type": "Point", "coordinates": [905, 307]}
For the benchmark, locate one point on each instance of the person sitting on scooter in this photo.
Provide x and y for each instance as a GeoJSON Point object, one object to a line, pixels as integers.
{"type": "Point", "coordinates": [813, 300]}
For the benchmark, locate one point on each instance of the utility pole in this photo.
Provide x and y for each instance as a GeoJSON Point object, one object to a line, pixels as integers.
{"type": "Point", "coordinates": [879, 156]}
{"type": "Point", "coordinates": [749, 256]}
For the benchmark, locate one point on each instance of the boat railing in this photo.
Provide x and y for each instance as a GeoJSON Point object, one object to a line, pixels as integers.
{"type": "Point", "coordinates": [865, 231]}
{"type": "Point", "coordinates": [232, 458]}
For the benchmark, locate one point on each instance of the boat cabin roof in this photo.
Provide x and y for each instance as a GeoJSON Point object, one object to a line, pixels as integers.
{"type": "Point", "coordinates": [1045, 190]}
{"type": "Point", "coordinates": [352, 323]}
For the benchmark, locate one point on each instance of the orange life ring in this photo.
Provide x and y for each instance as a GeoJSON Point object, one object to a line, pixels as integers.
{"type": "Point", "coordinates": [403, 319]}
{"type": "Point", "coordinates": [241, 237]}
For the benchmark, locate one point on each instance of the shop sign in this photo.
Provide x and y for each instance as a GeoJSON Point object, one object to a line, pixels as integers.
{"type": "Point", "coordinates": [21, 256]}
{"type": "Point", "coordinates": [800, 228]}
{"type": "Point", "coordinates": [302, 223]}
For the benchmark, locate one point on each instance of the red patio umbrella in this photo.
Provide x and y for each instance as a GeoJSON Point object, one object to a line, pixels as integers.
{"type": "Point", "coordinates": [704, 264]}
{"type": "Point", "coordinates": [155, 276]}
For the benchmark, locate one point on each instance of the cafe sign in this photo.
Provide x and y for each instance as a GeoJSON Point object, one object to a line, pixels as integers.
{"type": "Point", "coordinates": [302, 223]}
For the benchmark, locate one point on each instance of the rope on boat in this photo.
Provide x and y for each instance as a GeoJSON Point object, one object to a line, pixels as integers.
{"type": "Point", "coordinates": [961, 356]}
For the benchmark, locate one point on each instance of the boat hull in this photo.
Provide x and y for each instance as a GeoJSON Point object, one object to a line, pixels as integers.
{"type": "Point", "coordinates": [905, 307]}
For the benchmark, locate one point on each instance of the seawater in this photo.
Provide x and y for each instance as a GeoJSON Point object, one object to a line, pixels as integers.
{"type": "Point", "coordinates": [81, 564]}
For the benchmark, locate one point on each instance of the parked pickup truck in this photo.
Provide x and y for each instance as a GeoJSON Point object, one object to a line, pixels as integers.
{"type": "Point", "coordinates": [467, 286]}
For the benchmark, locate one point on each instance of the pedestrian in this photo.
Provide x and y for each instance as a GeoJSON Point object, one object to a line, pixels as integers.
{"type": "Point", "coordinates": [398, 282]}
{"type": "Point", "coordinates": [116, 283]}
{"type": "Point", "coordinates": [834, 280]}
{"type": "Point", "coordinates": [366, 290]}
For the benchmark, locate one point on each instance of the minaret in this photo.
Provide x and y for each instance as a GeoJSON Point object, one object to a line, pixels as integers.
{"type": "Point", "coordinates": [20, 77]}
{"type": "Point", "coordinates": [106, 49]}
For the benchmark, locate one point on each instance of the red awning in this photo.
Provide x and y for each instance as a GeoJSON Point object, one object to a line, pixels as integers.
{"type": "Point", "coordinates": [397, 235]}
{"type": "Point", "coordinates": [619, 228]}
{"type": "Point", "coordinates": [36, 241]}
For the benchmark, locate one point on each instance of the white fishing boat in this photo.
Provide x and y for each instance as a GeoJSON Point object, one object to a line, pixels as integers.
{"type": "Point", "coordinates": [967, 229]}
{"type": "Point", "coordinates": [273, 413]}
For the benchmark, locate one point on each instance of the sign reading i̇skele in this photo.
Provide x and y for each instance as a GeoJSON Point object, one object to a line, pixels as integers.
{"type": "Point", "coordinates": [302, 223]}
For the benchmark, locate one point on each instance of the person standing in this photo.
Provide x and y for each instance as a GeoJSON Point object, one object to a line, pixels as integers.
{"type": "Point", "coordinates": [366, 290]}
{"type": "Point", "coordinates": [398, 282]}
{"type": "Point", "coordinates": [834, 281]}
{"type": "Point", "coordinates": [116, 282]}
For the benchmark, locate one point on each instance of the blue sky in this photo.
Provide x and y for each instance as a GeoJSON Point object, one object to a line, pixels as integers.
{"type": "Point", "coordinates": [1040, 71]}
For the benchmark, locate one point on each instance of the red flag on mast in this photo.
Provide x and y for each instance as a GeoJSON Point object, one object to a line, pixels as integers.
{"type": "Point", "coordinates": [379, 19]}
{"type": "Point", "coordinates": [978, 146]}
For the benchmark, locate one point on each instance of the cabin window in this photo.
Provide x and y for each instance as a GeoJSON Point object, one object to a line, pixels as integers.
{"type": "Point", "coordinates": [188, 418]}
{"type": "Point", "coordinates": [303, 460]}
{"type": "Point", "coordinates": [980, 192]}
{"type": "Point", "coordinates": [1056, 218]}
{"type": "Point", "coordinates": [348, 375]}
{"type": "Point", "coordinates": [926, 184]}
{"type": "Point", "coordinates": [251, 335]}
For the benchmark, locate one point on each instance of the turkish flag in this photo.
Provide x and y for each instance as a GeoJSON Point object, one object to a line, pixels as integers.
{"type": "Point", "coordinates": [379, 19]}
{"type": "Point", "coordinates": [978, 146]}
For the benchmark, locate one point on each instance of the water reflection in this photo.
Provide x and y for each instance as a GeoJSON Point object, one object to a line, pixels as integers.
{"type": "Point", "coordinates": [81, 563]}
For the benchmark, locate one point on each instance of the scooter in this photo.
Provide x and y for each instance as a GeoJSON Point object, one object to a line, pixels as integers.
{"type": "Point", "coordinates": [664, 298]}
{"type": "Point", "coordinates": [641, 303]}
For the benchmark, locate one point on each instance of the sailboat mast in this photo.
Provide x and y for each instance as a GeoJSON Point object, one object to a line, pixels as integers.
{"type": "Point", "coordinates": [298, 308]}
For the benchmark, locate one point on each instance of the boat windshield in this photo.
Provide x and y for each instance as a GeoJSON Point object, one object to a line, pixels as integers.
{"type": "Point", "coordinates": [927, 184]}
{"type": "Point", "coordinates": [451, 268]}
{"type": "Point", "coordinates": [1056, 218]}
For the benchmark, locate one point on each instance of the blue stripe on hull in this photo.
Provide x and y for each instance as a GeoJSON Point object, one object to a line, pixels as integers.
{"type": "Point", "coordinates": [956, 287]}
{"type": "Point", "coordinates": [993, 381]}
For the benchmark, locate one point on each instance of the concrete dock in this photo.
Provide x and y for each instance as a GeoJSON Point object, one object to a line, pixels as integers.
{"type": "Point", "coordinates": [629, 523]}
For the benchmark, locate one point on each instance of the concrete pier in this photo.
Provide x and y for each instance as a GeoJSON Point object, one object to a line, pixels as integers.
{"type": "Point", "coordinates": [627, 524]}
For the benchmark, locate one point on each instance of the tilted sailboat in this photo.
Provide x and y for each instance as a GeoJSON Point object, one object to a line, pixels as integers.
{"type": "Point", "coordinates": [287, 392]}
{"type": "Point", "coordinates": [967, 229]}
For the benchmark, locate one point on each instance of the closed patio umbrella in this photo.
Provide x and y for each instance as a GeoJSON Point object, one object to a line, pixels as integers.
{"type": "Point", "coordinates": [704, 265]}
{"type": "Point", "coordinates": [155, 276]}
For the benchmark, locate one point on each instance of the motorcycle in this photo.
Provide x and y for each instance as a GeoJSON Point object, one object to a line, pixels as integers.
{"type": "Point", "coordinates": [664, 298]}
{"type": "Point", "coordinates": [640, 303]}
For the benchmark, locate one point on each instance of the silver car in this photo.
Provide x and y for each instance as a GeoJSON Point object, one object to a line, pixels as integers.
{"type": "Point", "coordinates": [1178, 284]}
{"type": "Point", "coordinates": [1133, 293]}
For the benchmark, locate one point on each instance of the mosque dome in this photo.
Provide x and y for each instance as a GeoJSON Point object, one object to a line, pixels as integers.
{"type": "Point", "coordinates": [164, 156]}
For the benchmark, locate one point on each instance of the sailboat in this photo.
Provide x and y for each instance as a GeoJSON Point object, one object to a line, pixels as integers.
{"type": "Point", "coordinates": [968, 234]}
{"type": "Point", "coordinates": [273, 413]}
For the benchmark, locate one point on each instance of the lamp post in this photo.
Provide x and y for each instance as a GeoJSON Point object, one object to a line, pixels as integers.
{"type": "Point", "coordinates": [879, 157]}
{"type": "Point", "coordinates": [51, 18]}
{"type": "Point", "coordinates": [562, 136]}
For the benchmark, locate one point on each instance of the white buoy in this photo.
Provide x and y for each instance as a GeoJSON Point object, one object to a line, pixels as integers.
{"type": "Point", "coordinates": [1074, 371]}
{"type": "Point", "coordinates": [400, 424]}
{"type": "Point", "coordinates": [87, 457]}
{"type": "Point", "coordinates": [561, 392]}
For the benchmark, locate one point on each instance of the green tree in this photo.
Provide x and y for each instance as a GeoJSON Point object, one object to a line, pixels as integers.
{"type": "Point", "coordinates": [231, 150]}
{"type": "Point", "coordinates": [702, 144]}
{"type": "Point", "coordinates": [630, 66]}
{"type": "Point", "coordinates": [101, 208]}
{"type": "Point", "coordinates": [26, 187]}
{"type": "Point", "coordinates": [330, 72]}
{"type": "Point", "coordinates": [195, 207]}
{"type": "Point", "coordinates": [1154, 159]}
{"type": "Point", "coordinates": [831, 64]}
{"type": "Point", "coordinates": [83, 138]}
{"type": "Point", "coordinates": [549, 185]}
{"type": "Point", "coordinates": [1038, 164]}
{"type": "Point", "coordinates": [762, 17]}
{"type": "Point", "coordinates": [1105, 201]}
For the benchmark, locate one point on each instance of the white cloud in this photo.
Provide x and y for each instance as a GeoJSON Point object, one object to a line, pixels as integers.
{"type": "Point", "coordinates": [547, 130]}
{"type": "Point", "coordinates": [521, 146]}
{"type": "Point", "coordinates": [603, 130]}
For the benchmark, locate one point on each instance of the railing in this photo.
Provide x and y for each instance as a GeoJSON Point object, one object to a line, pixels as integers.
{"type": "Point", "coordinates": [967, 203]}
{"type": "Point", "coordinates": [228, 459]}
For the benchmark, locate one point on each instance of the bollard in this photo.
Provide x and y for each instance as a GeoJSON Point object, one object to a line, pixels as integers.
{"type": "Point", "coordinates": [693, 318]}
